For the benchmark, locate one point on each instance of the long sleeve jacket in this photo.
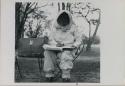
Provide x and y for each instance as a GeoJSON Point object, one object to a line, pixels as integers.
{"type": "Point", "coordinates": [71, 36]}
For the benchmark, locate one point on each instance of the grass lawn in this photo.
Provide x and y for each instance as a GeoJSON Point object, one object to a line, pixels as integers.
{"type": "Point", "coordinates": [86, 68]}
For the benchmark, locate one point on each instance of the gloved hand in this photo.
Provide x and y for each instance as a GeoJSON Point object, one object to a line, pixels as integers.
{"type": "Point", "coordinates": [59, 44]}
{"type": "Point", "coordinates": [45, 46]}
{"type": "Point", "coordinates": [74, 46]}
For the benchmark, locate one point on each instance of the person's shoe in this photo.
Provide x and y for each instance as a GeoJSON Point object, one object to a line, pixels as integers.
{"type": "Point", "coordinates": [49, 79]}
{"type": "Point", "coordinates": [65, 79]}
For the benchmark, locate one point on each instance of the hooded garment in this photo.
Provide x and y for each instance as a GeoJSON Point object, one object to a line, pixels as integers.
{"type": "Point", "coordinates": [65, 31]}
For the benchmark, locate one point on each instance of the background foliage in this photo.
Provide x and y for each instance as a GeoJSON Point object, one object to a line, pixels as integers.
{"type": "Point", "coordinates": [35, 19]}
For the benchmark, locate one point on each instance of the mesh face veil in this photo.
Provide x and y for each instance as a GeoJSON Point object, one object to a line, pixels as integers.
{"type": "Point", "coordinates": [63, 19]}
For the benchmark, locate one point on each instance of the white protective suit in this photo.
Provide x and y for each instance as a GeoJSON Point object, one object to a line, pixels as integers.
{"type": "Point", "coordinates": [70, 37]}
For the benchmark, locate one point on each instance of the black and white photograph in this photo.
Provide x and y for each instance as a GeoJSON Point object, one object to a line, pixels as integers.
{"type": "Point", "coordinates": [62, 42]}
{"type": "Point", "coordinates": [57, 42]}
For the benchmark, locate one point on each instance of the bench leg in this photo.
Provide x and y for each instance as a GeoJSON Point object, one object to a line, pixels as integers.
{"type": "Point", "coordinates": [40, 66]}
{"type": "Point", "coordinates": [18, 67]}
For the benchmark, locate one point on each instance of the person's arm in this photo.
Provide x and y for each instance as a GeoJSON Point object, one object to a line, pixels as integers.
{"type": "Point", "coordinates": [51, 40]}
{"type": "Point", "coordinates": [48, 40]}
{"type": "Point", "coordinates": [78, 37]}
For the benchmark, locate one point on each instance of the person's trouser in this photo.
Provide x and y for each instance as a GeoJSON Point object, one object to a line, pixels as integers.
{"type": "Point", "coordinates": [65, 63]}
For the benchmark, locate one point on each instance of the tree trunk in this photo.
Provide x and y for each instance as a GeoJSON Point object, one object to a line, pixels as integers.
{"type": "Point", "coordinates": [58, 7]}
{"type": "Point", "coordinates": [68, 6]}
{"type": "Point", "coordinates": [63, 6]}
{"type": "Point", "coordinates": [17, 23]}
{"type": "Point", "coordinates": [90, 41]}
{"type": "Point", "coordinates": [88, 48]}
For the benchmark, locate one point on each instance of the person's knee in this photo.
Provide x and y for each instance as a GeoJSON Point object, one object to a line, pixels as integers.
{"type": "Point", "coordinates": [49, 61]}
{"type": "Point", "coordinates": [67, 55]}
{"type": "Point", "coordinates": [66, 60]}
{"type": "Point", "coordinates": [48, 53]}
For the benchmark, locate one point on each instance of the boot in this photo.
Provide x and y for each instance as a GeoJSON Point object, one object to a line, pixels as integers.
{"type": "Point", "coordinates": [65, 79]}
{"type": "Point", "coordinates": [49, 79]}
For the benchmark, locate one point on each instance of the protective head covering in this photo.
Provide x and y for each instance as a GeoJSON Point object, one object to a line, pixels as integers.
{"type": "Point", "coordinates": [63, 20]}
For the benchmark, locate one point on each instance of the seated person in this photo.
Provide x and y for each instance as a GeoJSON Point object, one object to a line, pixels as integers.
{"type": "Point", "coordinates": [64, 33]}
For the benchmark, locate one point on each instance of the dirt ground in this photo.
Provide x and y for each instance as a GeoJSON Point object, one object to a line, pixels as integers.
{"type": "Point", "coordinates": [86, 69]}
